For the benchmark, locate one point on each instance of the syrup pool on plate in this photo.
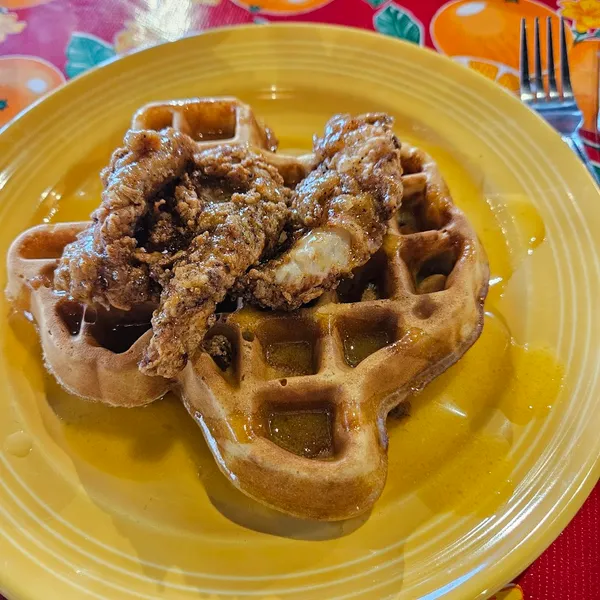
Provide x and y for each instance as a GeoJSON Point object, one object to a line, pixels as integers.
{"type": "Point", "coordinates": [458, 433]}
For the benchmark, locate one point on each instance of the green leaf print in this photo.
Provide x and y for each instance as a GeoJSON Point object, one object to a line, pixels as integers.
{"type": "Point", "coordinates": [375, 3]}
{"type": "Point", "coordinates": [85, 51]}
{"type": "Point", "coordinates": [398, 22]}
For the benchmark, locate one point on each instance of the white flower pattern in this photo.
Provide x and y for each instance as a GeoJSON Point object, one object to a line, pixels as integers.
{"type": "Point", "coordinates": [10, 25]}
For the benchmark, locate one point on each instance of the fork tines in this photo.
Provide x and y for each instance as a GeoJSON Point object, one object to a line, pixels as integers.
{"type": "Point", "coordinates": [536, 93]}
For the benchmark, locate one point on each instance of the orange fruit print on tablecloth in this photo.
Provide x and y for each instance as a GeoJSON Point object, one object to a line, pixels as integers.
{"type": "Point", "coordinates": [12, 4]}
{"type": "Point", "coordinates": [508, 78]}
{"type": "Point", "coordinates": [24, 79]}
{"type": "Point", "coordinates": [289, 7]}
{"type": "Point", "coordinates": [490, 29]}
{"type": "Point", "coordinates": [584, 63]}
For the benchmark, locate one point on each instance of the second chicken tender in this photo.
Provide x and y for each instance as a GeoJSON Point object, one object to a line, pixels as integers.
{"type": "Point", "coordinates": [339, 213]}
{"type": "Point", "coordinates": [242, 211]}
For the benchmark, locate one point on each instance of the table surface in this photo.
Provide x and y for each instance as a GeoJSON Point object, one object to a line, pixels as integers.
{"type": "Point", "coordinates": [43, 43]}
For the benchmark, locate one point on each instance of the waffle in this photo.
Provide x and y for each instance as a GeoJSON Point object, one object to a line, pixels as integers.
{"type": "Point", "coordinates": [293, 405]}
{"type": "Point", "coordinates": [224, 120]}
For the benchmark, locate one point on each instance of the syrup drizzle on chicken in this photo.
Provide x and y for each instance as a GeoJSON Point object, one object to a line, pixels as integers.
{"type": "Point", "coordinates": [340, 211]}
{"type": "Point", "coordinates": [176, 227]}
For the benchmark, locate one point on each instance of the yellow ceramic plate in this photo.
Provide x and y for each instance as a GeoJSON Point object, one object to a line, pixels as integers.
{"type": "Point", "coordinates": [497, 454]}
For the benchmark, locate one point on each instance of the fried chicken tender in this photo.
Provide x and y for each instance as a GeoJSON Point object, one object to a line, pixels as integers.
{"type": "Point", "coordinates": [244, 211]}
{"type": "Point", "coordinates": [339, 213]}
{"type": "Point", "coordinates": [98, 268]}
{"type": "Point", "coordinates": [176, 227]}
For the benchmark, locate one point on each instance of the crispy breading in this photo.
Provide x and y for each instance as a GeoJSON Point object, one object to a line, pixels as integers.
{"type": "Point", "coordinates": [339, 211]}
{"type": "Point", "coordinates": [177, 227]}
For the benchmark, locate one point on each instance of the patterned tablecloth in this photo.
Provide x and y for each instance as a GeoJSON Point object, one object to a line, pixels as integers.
{"type": "Point", "coordinates": [45, 42]}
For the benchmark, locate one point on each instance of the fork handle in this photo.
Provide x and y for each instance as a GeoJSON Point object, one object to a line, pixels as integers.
{"type": "Point", "coordinates": [575, 145]}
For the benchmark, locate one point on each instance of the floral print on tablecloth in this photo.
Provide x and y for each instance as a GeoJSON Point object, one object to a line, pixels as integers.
{"type": "Point", "coordinates": [481, 34]}
{"type": "Point", "coordinates": [10, 24]}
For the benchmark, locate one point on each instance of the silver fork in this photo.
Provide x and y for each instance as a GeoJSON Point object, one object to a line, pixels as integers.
{"type": "Point", "coordinates": [560, 111]}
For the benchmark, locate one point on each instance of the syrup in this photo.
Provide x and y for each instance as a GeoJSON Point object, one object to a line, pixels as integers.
{"type": "Point", "coordinates": [359, 345]}
{"type": "Point", "coordinates": [71, 314]}
{"type": "Point", "coordinates": [18, 444]}
{"type": "Point", "coordinates": [455, 445]}
{"type": "Point", "coordinates": [118, 337]}
{"type": "Point", "coordinates": [289, 359]}
{"type": "Point", "coordinates": [308, 433]}
{"type": "Point", "coordinates": [361, 337]}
